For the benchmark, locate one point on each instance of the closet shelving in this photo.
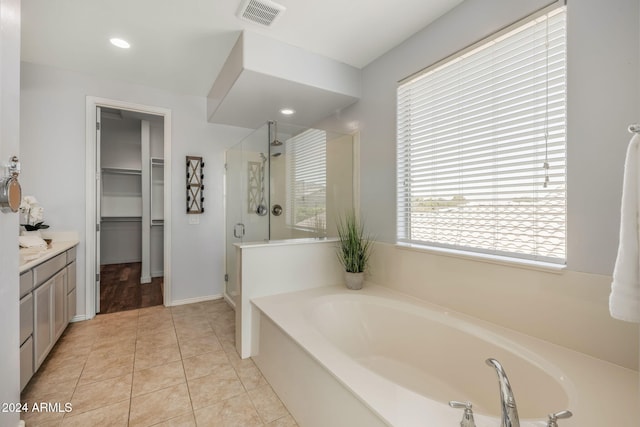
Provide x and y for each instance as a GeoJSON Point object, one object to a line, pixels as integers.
{"type": "Point", "coordinates": [132, 193]}
{"type": "Point", "coordinates": [121, 194]}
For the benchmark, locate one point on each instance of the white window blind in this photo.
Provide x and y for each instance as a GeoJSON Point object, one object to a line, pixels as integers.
{"type": "Point", "coordinates": [481, 154]}
{"type": "Point", "coordinates": [306, 178]}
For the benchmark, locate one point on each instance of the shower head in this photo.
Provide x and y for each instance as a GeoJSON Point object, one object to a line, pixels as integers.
{"type": "Point", "coordinates": [275, 142]}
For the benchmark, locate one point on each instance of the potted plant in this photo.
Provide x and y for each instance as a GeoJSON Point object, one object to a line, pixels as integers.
{"type": "Point", "coordinates": [33, 214]}
{"type": "Point", "coordinates": [354, 250]}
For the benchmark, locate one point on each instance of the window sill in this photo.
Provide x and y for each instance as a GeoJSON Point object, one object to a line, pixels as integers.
{"type": "Point", "coordinates": [488, 258]}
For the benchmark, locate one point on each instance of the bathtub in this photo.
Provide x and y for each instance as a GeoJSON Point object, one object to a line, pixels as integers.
{"type": "Point", "coordinates": [377, 358]}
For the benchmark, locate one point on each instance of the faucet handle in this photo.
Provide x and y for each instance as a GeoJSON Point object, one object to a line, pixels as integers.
{"type": "Point", "coordinates": [467, 417]}
{"type": "Point", "coordinates": [558, 415]}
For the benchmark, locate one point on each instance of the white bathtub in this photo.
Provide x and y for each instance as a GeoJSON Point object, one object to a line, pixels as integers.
{"type": "Point", "coordinates": [374, 357]}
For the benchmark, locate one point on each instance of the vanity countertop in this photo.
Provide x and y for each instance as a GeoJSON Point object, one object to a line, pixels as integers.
{"type": "Point", "coordinates": [30, 257]}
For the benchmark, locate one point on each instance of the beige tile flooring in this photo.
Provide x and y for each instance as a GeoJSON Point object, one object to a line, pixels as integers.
{"type": "Point", "coordinates": [154, 366]}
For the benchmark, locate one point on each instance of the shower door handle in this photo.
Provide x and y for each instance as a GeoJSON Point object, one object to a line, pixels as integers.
{"type": "Point", "coordinates": [238, 230]}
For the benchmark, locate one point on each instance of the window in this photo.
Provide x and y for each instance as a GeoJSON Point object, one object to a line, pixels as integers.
{"type": "Point", "coordinates": [306, 177]}
{"type": "Point", "coordinates": [481, 154]}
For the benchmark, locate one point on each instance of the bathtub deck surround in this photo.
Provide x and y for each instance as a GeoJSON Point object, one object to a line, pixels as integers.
{"type": "Point", "coordinates": [385, 358]}
{"type": "Point", "coordinates": [568, 308]}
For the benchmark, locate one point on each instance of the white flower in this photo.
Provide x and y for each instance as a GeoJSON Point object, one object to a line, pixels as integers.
{"type": "Point", "coordinates": [27, 203]}
{"type": "Point", "coordinates": [33, 212]}
{"type": "Point", "coordinates": [36, 214]}
{"type": "Point", "coordinates": [30, 200]}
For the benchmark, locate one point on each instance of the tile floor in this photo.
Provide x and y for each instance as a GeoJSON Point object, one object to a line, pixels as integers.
{"type": "Point", "coordinates": [154, 366]}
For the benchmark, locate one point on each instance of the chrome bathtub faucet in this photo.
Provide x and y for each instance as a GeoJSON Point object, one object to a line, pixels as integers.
{"type": "Point", "coordinates": [507, 401]}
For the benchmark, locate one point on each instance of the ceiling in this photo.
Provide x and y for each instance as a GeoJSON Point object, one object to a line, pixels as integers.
{"type": "Point", "coordinates": [181, 45]}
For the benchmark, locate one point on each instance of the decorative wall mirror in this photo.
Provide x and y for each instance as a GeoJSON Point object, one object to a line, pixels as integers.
{"type": "Point", "coordinates": [195, 185]}
{"type": "Point", "coordinates": [10, 190]}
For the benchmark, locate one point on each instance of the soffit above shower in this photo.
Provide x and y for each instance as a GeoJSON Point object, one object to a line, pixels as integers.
{"type": "Point", "coordinates": [262, 75]}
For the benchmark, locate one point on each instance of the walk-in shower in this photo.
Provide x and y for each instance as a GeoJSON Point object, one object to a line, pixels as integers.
{"type": "Point", "coordinates": [285, 182]}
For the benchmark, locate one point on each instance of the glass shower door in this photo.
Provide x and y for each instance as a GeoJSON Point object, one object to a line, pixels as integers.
{"type": "Point", "coordinates": [234, 217]}
{"type": "Point", "coordinates": [305, 174]}
{"type": "Point", "coordinates": [247, 200]}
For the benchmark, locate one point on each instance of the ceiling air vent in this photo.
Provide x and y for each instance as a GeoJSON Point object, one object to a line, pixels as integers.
{"type": "Point", "coordinates": [263, 12]}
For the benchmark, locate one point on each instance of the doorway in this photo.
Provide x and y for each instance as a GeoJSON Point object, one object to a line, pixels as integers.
{"type": "Point", "coordinates": [128, 206]}
{"type": "Point", "coordinates": [131, 214]}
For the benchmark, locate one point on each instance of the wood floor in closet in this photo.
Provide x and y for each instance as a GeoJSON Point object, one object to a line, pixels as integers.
{"type": "Point", "coordinates": [121, 290]}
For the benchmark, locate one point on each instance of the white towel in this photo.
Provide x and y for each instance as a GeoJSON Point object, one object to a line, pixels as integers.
{"type": "Point", "coordinates": [31, 241]}
{"type": "Point", "coordinates": [624, 301]}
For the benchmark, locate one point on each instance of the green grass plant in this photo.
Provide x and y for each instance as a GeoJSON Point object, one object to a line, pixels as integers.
{"type": "Point", "coordinates": [355, 244]}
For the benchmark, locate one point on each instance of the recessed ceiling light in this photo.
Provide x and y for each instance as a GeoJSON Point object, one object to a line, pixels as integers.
{"type": "Point", "coordinates": [123, 44]}
{"type": "Point", "coordinates": [287, 111]}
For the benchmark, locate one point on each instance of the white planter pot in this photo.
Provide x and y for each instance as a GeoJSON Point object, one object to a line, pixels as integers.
{"type": "Point", "coordinates": [354, 280]}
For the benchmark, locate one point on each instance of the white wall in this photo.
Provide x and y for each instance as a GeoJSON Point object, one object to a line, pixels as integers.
{"type": "Point", "coordinates": [603, 88]}
{"type": "Point", "coordinates": [53, 145]}
{"type": "Point", "coordinates": [9, 146]}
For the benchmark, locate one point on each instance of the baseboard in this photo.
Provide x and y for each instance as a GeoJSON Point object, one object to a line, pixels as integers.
{"type": "Point", "coordinates": [196, 299]}
{"type": "Point", "coordinates": [159, 273]}
{"type": "Point", "coordinates": [229, 301]}
{"type": "Point", "coordinates": [145, 279]}
{"type": "Point", "coordinates": [78, 318]}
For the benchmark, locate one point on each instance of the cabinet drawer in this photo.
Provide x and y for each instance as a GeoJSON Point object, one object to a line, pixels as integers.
{"type": "Point", "coordinates": [26, 283]}
{"type": "Point", "coordinates": [71, 255]}
{"type": "Point", "coordinates": [26, 362]}
{"type": "Point", "coordinates": [48, 268]}
{"type": "Point", "coordinates": [26, 317]}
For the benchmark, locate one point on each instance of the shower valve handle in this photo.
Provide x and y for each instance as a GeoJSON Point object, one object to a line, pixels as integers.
{"type": "Point", "coordinates": [555, 417]}
{"type": "Point", "coordinates": [238, 230]}
{"type": "Point", "coordinates": [467, 417]}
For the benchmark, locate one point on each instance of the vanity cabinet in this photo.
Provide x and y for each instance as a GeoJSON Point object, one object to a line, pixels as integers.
{"type": "Point", "coordinates": [59, 304]}
{"type": "Point", "coordinates": [71, 289]}
{"type": "Point", "coordinates": [26, 332]}
{"type": "Point", "coordinates": [47, 304]}
{"type": "Point", "coordinates": [50, 316]}
{"type": "Point", "coordinates": [26, 362]}
{"type": "Point", "coordinates": [43, 326]}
